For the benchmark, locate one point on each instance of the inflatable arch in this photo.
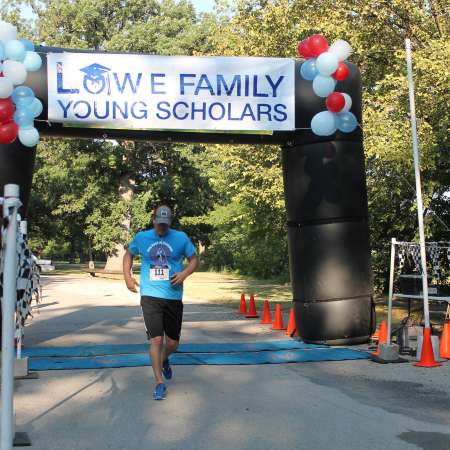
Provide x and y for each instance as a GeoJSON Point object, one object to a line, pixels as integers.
{"type": "Point", "coordinates": [324, 184]}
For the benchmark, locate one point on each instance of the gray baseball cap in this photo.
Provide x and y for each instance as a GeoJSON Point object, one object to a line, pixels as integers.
{"type": "Point", "coordinates": [163, 214]}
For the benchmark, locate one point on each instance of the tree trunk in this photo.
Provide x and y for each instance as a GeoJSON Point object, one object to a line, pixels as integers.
{"type": "Point", "coordinates": [114, 261]}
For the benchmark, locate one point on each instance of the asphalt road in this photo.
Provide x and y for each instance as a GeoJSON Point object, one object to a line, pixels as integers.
{"type": "Point", "coordinates": [329, 405]}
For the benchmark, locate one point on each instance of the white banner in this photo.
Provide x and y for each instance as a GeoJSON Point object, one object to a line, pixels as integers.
{"type": "Point", "coordinates": [171, 92]}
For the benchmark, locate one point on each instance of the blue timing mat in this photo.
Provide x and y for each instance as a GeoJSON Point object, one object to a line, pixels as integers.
{"type": "Point", "coordinates": [118, 349]}
{"type": "Point", "coordinates": [248, 358]}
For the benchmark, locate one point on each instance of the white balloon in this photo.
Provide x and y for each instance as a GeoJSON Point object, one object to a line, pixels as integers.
{"type": "Point", "coordinates": [6, 87]}
{"type": "Point", "coordinates": [8, 31]}
{"type": "Point", "coordinates": [341, 49]}
{"type": "Point", "coordinates": [15, 71]}
{"type": "Point", "coordinates": [348, 102]}
{"type": "Point", "coordinates": [327, 63]}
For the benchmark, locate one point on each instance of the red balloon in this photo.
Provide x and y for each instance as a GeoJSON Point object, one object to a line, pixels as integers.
{"type": "Point", "coordinates": [341, 73]}
{"type": "Point", "coordinates": [335, 102]}
{"type": "Point", "coordinates": [303, 49]}
{"type": "Point", "coordinates": [317, 44]}
{"type": "Point", "coordinates": [6, 109]}
{"type": "Point", "coordinates": [8, 132]}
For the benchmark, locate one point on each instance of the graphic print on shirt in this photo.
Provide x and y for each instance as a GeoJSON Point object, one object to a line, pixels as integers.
{"type": "Point", "coordinates": [159, 253]}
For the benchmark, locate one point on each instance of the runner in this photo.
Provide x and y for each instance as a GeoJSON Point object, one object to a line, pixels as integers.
{"type": "Point", "coordinates": [162, 250]}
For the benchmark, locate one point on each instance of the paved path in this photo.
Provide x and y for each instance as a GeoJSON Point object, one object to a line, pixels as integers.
{"type": "Point", "coordinates": [81, 310]}
{"type": "Point", "coordinates": [329, 405]}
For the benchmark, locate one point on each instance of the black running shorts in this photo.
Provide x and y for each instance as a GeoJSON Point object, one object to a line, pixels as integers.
{"type": "Point", "coordinates": [162, 316]}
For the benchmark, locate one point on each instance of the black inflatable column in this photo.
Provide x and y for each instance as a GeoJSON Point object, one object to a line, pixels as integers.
{"type": "Point", "coordinates": [326, 202]}
{"type": "Point", "coordinates": [16, 166]}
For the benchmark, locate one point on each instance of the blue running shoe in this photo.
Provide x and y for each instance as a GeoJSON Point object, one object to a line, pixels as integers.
{"type": "Point", "coordinates": [167, 370]}
{"type": "Point", "coordinates": [160, 392]}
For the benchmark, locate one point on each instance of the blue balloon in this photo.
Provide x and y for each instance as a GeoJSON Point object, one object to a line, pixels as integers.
{"type": "Point", "coordinates": [28, 136]}
{"type": "Point", "coordinates": [36, 107]}
{"type": "Point", "coordinates": [22, 96]}
{"type": "Point", "coordinates": [2, 52]}
{"type": "Point", "coordinates": [24, 118]}
{"type": "Point", "coordinates": [29, 46]}
{"type": "Point", "coordinates": [323, 123]}
{"type": "Point", "coordinates": [14, 50]}
{"type": "Point", "coordinates": [308, 69]}
{"type": "Point", "coordinates": [346, 122]}
{"type": "Point", "coordinates": [32, 61]}
{"type": "Point", "coordinates": [323, 86]}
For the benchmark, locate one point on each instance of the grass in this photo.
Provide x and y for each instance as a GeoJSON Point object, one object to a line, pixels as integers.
{"type": "Point", "coordinates": [226, 288]}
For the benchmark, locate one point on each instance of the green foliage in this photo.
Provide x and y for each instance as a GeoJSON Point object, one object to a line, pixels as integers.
{"type": "Point", "coordinates": [231, 198]}
{"type": "Point", "coordinates": [72, 183]}
{"type": "Point", "coordinates": [147, 26]}
{"type": "Point", "coordinates": [376, 31]}
{"type": "Point", "coordinates": [249, 218]}
{"type": "Point", "coordinates": [77, 183]}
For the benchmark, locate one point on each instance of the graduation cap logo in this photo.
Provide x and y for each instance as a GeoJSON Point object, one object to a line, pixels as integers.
{"type": "Point", "coordinates": [96, 78]}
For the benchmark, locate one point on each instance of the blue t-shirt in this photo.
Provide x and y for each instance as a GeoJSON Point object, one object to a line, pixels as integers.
{"type": "Point", "coordinates": [161, 257]}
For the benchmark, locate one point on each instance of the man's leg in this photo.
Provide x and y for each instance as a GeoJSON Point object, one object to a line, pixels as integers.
{"type": "Point", "coordinates": [173, 317]}
{"type": "Point", "coordinates": [153, 311]}
{"type": "Point", "coordinates": [156, 353]}
{"type": "Point", "coordinates": [170, 347]}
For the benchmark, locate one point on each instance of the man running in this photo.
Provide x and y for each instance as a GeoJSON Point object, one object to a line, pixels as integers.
{"type": "Point", "coordinates": [162, 250]}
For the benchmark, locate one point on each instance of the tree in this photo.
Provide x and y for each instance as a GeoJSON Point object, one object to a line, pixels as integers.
{"type": "Point", "coordinates": [142, 173]}
{"type": "Point", "coordinates": [376, 30]}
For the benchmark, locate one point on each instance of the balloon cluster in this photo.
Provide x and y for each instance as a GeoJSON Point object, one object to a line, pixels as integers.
{"type": "Point", "coordinates": [325, 66]}
{"type": "Point", "coordinates": [18, 105]}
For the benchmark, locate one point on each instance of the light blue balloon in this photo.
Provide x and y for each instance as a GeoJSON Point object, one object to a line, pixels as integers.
{"type": "Point", "coordinates": [327, 63]}
{"type": "Point", "coordinates": [308, 69]}
{"type": "Point", "coordinates": [32, 61]}
{"type": "Point", "coordinates": [36, 107]}
{"type": "Point", "coordinates": [346, 122]}
{"type": "Point", "coordinates": [2, 52]}
{"type": "Point", "coordinates": [323, 123]}
{"type": "Point", "coordinates": [24, 117]}
{"type": "Point", "coordinates": [323, 86]}
{"type": "Point", "coordinates": [29, 46]}
{"type": "Point", "coordinates": [14, 50]}
{"type": "Point", "coordinates": [22, 96]}
{"type": "Point", "coordinates": [28, 136]}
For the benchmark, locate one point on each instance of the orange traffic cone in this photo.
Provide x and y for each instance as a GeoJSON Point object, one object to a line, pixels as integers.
{"type": "Point", "coordinates": [278, 322]}
{"type": "Point", "coordinates": [242, 305]}
{"type": "Point", "coordinates": [267, 317]}
{"type": "Point", "coordinates": [382, 337]}
{"type": "Point", "coordinates": [427, 356]}
{"type": "Point", "coordinates": [292, 327]}
{"type": "Point", "coordinates": [444, 347]}
{"type": "Point", "coordinates": [252, 314]}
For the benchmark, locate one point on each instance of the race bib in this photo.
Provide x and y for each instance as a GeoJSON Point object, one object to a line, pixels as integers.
{"type": "Point", "coordinates": [159, 274]}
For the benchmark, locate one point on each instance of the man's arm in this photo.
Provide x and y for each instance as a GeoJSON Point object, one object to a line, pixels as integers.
{"type": "Point", "coordinates": [127, 275]}
{"type": "Point", "coordinates": [179, 277]}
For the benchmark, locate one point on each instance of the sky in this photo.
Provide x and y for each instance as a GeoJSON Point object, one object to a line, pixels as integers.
{"type": "Point", "coordinates": [203, 5]}
{"type": "Point", "coordinates": [200, 6]}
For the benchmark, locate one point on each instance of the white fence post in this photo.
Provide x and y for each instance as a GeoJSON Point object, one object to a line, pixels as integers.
{"type": "Point", "coordinates": [415, 146]}
{"type": "Point", "coordinates": [391, 290]}
{"type": "Point", "coordinates": [10, 207]}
